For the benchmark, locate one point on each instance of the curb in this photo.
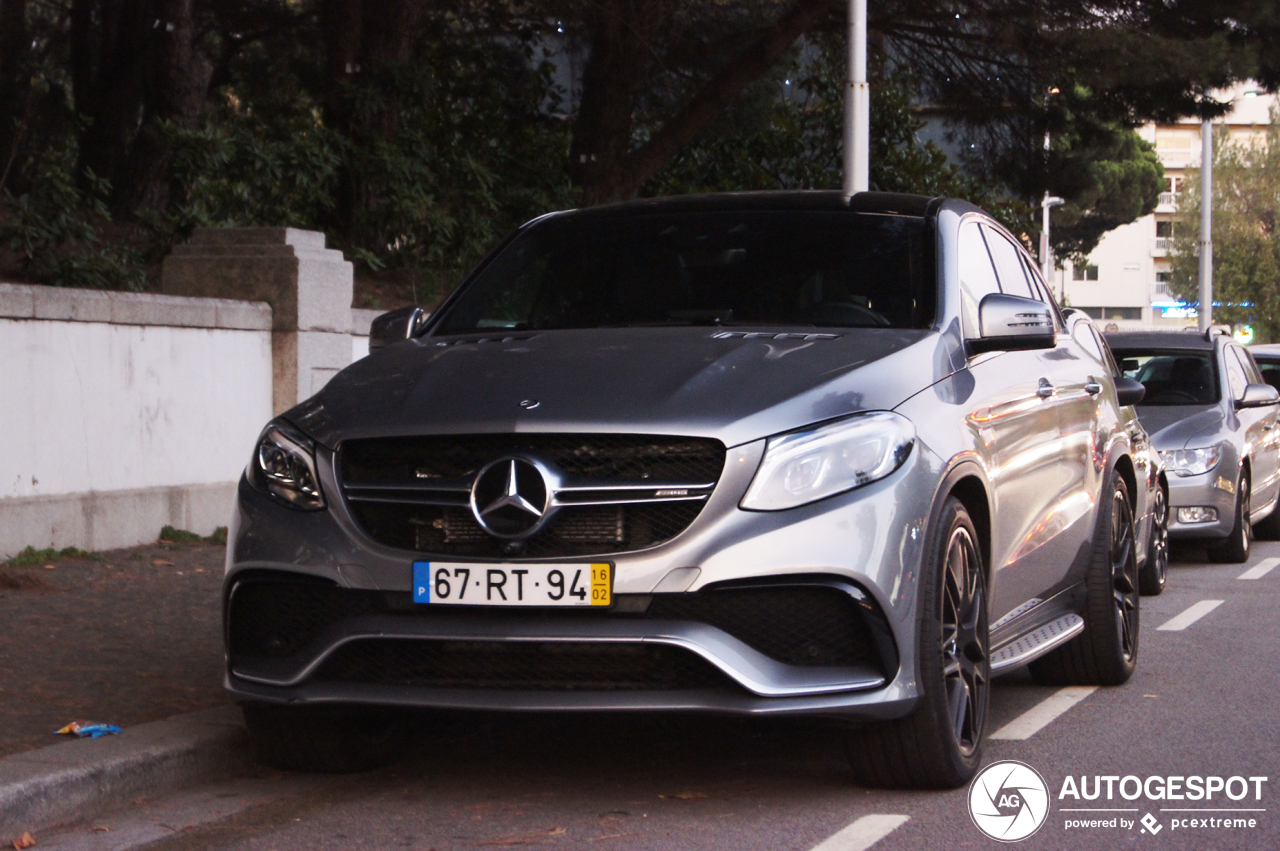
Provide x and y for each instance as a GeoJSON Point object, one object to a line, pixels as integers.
{"type": "Point", "coordinates": [78, 779]}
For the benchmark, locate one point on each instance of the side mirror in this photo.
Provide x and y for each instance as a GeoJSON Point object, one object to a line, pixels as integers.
{"type": "Point", "coordinates": [1011, 322]}
{"type": "Point", "coordinates": [395, 326]}
{"type": "Point", "coordinates": [1129, 391]}
{"type": "Point", "coordinates": [1258, 396]}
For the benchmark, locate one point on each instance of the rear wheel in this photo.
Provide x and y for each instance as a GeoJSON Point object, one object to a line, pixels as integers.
{"type": "Point", "coordinates": [1156, 570]}
{"type": "Point", "coordinates": [1107, 651]}
{"type": "Point", "coordinates": [1235, 549]}
{"type": "Point", "coordinates": [939, 745]}
{"type": "Point", "coordinates": [324, 739]}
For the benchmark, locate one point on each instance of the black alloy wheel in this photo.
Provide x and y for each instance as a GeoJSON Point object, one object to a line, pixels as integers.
{"type": "Point", "coordinates": [939, 745]}
{"type": "Point", "coordinates": [1235, 549]}
{"type": "Point", "coordinates": [1124, 575]}
{"type": "Point", "coordinates": [1156, 570]}
{"type": "Point", "coordinates": [964, 641]}
{"type": "Point", "coordinates": [1106, 651]}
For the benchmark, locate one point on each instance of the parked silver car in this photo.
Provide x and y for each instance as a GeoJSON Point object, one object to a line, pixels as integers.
{"type": "Point", "coordinates": [771, 453]}
{"type": "Point", "coordinates": [1213, 418]}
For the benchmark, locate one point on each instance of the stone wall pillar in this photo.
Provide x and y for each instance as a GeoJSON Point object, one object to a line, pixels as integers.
{"type": "Point", "coordinates": [308, 286]}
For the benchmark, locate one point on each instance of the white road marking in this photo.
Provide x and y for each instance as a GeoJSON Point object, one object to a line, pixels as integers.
{"type": "Point", "coordinates": [1039, 716]}
{"type": "Point", "coordinates": [863, 833]}
{"type": "Point", "coordinates": [1180, 622]}
{"type": "Point", "coordinates": [1260, 569]}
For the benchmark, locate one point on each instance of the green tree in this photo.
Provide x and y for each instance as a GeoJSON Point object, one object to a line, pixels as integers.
{"type": "Point", "coordinates": [1246, 233]}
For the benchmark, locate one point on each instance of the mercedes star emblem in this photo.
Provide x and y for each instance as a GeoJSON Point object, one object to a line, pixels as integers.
{"type": "Point", "coordinates": [510, 498]}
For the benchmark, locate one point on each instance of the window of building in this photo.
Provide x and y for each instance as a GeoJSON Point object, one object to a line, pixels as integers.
{"type": "Point", "coordinates": [1165, 229]}
{"type": "Point", "coordinates": [1173, 183]}
{"type": "Point", "coordinates": [1164, 277]}
{"type": "Point", "coordinates": [1081, 272]}
{"type": "Point", "coordinates": [1122, 313]}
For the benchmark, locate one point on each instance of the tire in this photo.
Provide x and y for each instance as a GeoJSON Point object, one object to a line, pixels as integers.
{"type": "Point", "coordinates": [1235, 549]}
{"type": "Point", "coordinates": [939, 745]}
{"type": "Point", "coordinates": [1106, 652]}
{"type": "Point", "coordinates": [323, 739]}
{"type": "Point", "coordinates": [1155, 572]}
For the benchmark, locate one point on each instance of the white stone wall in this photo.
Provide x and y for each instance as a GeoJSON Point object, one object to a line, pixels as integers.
{"type": "Point", "coordinates": [124, 412]}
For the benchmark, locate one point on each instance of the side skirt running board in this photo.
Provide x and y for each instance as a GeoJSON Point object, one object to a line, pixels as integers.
{"type": "Point", "coordinates": [1037, 643]}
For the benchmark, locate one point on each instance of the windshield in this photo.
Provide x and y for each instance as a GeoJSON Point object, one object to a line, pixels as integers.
{"type": "Point", "coordinates": [1178, 377]}
{"type": "Point", "coordinates": [813, 269]}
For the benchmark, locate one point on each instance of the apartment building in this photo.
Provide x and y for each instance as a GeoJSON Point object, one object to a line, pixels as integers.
{"type": "Point", "coordinates": [1124, 281]}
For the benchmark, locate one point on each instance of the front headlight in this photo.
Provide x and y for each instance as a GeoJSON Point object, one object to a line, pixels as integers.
{"type": "Point", "coordinates": [284, 467]}
{"type": "Point", "coordinates": [805, 466]}
{"type": "Point", "coordinates": [1192, 462]}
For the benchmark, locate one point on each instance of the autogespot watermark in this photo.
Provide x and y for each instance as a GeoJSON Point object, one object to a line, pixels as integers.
{"type": "Point", "coordinates": [1010, 801]}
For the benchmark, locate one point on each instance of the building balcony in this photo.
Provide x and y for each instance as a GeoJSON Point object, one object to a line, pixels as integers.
{"type": "Point", "coordinates": [1168, 202]}
{"type": "Point", "coordinates": [1160, 246]}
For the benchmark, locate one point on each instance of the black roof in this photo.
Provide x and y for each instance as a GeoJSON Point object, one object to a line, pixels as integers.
{"type": "Point", "coordinates": [888, 203]}
{"type": "Point", "coordinates": [1159, 340]}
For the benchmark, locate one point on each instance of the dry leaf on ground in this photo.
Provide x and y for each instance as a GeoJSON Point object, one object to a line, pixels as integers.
{"type": "Point", "coordinates": [26, 840]}
{"type": "Point", "coordinates": [159, 562]}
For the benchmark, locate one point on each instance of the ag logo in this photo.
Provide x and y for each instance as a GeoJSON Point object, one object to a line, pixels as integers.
{"type": "Point", "coordinates": [1008, 800]}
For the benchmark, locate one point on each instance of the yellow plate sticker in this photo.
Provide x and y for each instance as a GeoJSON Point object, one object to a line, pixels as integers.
{"type": "Point", "coordinates": [601, 587]}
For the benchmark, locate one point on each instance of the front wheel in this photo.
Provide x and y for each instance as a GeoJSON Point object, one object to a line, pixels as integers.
{"type": "Point", "coordinates": [939, 745]}
{"type": "Point", "coordinates": [1156, 570]}
{"type": "Point", "coordinates": [1106, 652]}
{"type": "Point", "coordinates": [1235, 549]}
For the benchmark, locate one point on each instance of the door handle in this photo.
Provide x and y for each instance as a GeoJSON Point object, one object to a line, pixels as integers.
{"type": "Point", "coordinates": [1045, 390]}
{"type": "Point", "coordinates": [1093, 388]}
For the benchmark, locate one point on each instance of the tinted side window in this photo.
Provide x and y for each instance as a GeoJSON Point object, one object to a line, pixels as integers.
{"type": "Point", "coordinates": [1013, 279]}
{"type": "Point", "coordinates": [977, 275]}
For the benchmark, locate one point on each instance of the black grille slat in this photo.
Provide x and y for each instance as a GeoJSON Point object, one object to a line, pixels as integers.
{"type": "Point", "coordinates": [551, 666]}
{"type": "Point", "coordinates": [594, 461]}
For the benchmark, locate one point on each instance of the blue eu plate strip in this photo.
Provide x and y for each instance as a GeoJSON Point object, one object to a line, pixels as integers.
{"type": "Point", "coordinates": [422, 582]}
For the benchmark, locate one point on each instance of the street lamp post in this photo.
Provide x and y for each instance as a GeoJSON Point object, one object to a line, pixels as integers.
{"type": "Point", "coordinates": [1046, 248]}
{"type": "Point", "coordinates": [1206, 225]}
{"type": "Point", "coordinates": [857, 105]}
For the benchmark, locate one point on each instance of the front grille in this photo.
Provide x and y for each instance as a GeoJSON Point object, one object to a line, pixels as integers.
{"type": "Point", "coordinates": [805, 625]}
{"type": "Point", "coordinates": [555, 666]}
{"type": "Point", "coordinates": [413, 492]}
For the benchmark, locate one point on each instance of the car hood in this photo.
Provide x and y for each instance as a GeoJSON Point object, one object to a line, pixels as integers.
{"type": "Point", "coordinates": [1183, 426]}
{"type": "Point", "coordinates": [735, 386]}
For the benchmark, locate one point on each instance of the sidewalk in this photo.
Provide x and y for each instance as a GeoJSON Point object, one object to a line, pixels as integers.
{"type": "Point", "coordinates": [129, 639]}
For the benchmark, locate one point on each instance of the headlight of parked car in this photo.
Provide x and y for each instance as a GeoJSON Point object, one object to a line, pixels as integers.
{"type": "Point", "coordinates": [1192, 462]}
{"type": "Point", "coordinates": [284, 467]}
{"type": "Point", "coordinates": [804, 466]}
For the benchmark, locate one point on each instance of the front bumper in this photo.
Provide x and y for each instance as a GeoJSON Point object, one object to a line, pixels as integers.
{"type": "Point", "coordinates": [867, 544]}
{"type": "Point", "coordinates": [1212, 490]}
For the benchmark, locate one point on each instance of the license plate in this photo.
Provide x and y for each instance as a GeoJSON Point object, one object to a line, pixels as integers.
{"type": "Point", "coordinates": [469, 584]}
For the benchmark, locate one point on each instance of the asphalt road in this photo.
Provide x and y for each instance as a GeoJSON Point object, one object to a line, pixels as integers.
{"type": "Point", "coordinates": [1203, 704]}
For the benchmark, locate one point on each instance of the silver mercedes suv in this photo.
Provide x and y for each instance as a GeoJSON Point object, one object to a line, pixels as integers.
{"type": "Point", "coordinates": [769, 453]}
